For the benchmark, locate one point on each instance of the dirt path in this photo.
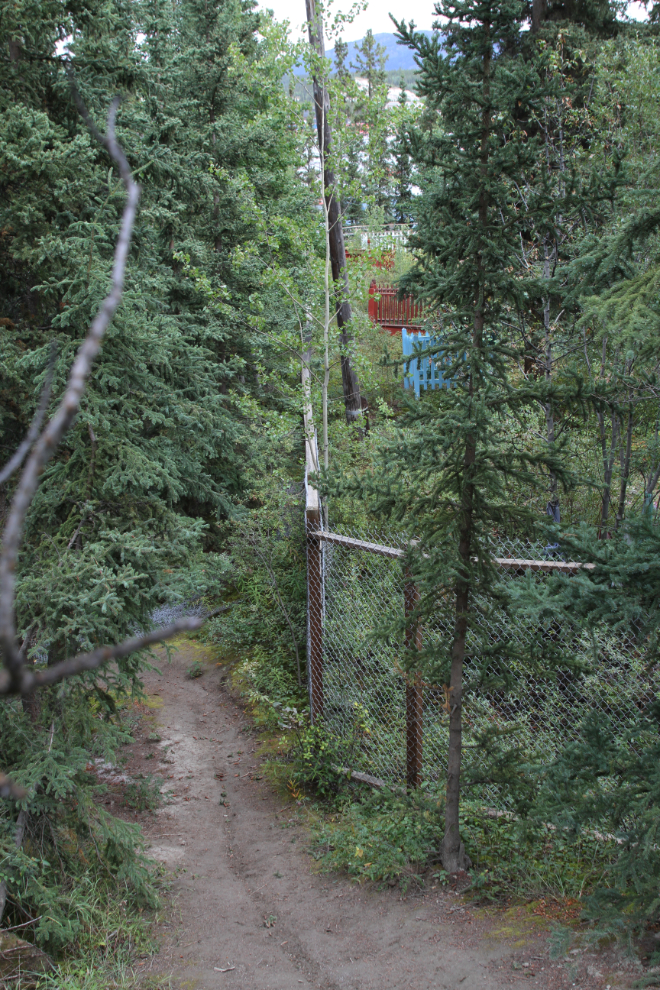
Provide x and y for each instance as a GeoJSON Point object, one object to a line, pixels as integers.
{"type": "Point", "coordinates": [249, 912]}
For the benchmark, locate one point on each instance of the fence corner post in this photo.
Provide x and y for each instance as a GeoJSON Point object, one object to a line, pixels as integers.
{"type": "Point", "coordinates": [313, 524]}
{"type": "Point", "coordinates": [414, 696]}
{"type": "Point", "coordinates": [315, 614]}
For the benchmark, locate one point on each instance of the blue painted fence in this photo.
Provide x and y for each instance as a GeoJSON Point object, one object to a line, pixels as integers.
{"type": "Point", "coordinates": [421, 373]}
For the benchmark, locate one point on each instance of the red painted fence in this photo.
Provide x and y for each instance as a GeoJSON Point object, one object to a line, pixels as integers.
{"type": "Point", "coordinates": [391, 312]}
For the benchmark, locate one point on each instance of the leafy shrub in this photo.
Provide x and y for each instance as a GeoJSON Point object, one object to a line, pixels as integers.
{"type": "Point", "coordinates": [272, 688]}
{"type": "Point", "coordinates": [386, 836]}
{"type": "Point", "coordinates": [395, 836]}
{"type": "Point", "coordinates": [196, 669]}
{"type": "Point", "coordinates": [317, 757]}
{"type": "Point", "coordinates": [268, 586]}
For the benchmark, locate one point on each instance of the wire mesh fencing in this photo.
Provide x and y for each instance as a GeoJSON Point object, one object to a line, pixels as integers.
{"type": "Point", "coordinates": [400, 721]}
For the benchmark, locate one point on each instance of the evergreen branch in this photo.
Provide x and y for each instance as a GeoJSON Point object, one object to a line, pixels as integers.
{"type": "Point", "coordinates": [18, 841]}
{"type": "Point", "coordinates": [47, 442]}
{"type": "Point", "coordinates": [15, 462]}
{"type": "Point", "coordinates": [30, 680]}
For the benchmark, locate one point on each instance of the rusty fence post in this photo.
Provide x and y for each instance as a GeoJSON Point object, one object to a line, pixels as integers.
{"type": "Point", "coordinates": [414, 696]}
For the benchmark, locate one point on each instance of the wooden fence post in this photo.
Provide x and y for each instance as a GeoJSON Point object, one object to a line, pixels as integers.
{"type": "Point", "coordinates": [414, 697]}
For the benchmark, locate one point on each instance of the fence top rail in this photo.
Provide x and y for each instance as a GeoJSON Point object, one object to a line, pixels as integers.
{"type": "Point", "coordinates": [348, 541]}
{"type": "Point", "coordinates": [510, 563]}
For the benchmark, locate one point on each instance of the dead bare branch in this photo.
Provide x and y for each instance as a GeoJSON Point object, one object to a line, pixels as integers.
{"type": "Point", "coordinates": [30, 679]}
{"type": "Point", "coordinates": [46, 444]}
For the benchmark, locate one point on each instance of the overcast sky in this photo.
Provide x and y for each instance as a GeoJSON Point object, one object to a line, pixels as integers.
{"type": "Point", "coordinates": [376, 15]}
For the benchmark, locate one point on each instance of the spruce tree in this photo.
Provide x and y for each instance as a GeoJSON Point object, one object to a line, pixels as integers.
{"type": "Point", "coordinates": [599, 17]}
{"type": "Point", "coordinates": [615, 276]}
{"type": "Point", "coordinates": [370, 62]}
{"type": "Point", "coordinates": [451, 478]}
{"type": "Point", "coordinates": [402, 166]}
{"type": "Point", "coordinates": [162, 448]}
{"type": "Point", "coordinates": [607, 776]}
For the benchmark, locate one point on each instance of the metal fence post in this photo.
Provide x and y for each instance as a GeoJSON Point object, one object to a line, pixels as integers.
{"type": "Point", "coordinates": [414, 697]}
{"type": "Point", "coordinates": [313, 523]}
{"type": "Point", "coordinates": [315, 612]}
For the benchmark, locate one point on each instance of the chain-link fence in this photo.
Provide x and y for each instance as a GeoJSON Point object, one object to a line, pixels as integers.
{"type": "Point", "coordinates": [358, 685]}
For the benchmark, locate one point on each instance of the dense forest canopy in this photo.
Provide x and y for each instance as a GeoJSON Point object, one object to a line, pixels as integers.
{"type": "Point", "coordinates": [513, 194]}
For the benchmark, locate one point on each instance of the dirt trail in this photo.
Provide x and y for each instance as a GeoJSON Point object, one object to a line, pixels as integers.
{"type": "Point", "coordinates": [242, 867]}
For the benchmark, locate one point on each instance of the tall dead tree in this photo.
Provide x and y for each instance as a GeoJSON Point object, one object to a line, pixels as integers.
{"type": "Point", "coordinates": [350, 381]}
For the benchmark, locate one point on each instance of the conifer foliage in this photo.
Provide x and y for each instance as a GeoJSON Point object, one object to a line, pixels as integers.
{"type": "Point", "coordinates": [462, 448]}
{"type": "Point", "coordinates": [159, 450]}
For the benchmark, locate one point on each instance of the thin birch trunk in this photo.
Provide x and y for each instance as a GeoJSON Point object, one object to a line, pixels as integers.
{"type": "Point", "coordinates": [654, 475]}
{"type": "Point", "coordinates": [326, 324]}
{"type": "Point", "coordinates": [608, 468]}
{"type": "Point", "coordinates": [547, 370]}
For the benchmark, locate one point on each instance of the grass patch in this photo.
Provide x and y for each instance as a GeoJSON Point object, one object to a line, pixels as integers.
{"type": "Point", "coordinates": [112, 942]}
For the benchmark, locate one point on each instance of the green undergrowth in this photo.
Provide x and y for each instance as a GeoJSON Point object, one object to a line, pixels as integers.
{"type": "Point", "coordinates": [110, 946]}
{"type": "Point", "coordinates": [386, 837]}
{"type": "Point", "coordinates": [267, 684]}
{"type": "Point", "coordinates": [382, 837]}
{"type": "Point", "coordinates": [143, 793]}
{"type": "Point", "coordinates": [117, 977]}
{"type": "Point", "coordinates": [526, 860]}
{"type": "Point", "coordinates": [80, 879]}
{"type": "Point", "coordinates": [267, 681]}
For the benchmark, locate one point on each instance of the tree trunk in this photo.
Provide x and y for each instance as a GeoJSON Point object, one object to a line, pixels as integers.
{"type": "Point", "coordinates": [553, 501]}
{"type": "Point", "coordinates": [350, 382]}
{"type": "Point", "coordinates": [652, 478]}
{"type": "Point", "coordinates": [454, 857]}
{"type": "Point", "coordinates": [538, 14]}
{"type": "Point", "coordinates": [607, 457]}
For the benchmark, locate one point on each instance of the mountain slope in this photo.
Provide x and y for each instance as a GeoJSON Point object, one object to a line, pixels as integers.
{"type": "Point", "coordinates": [399, 58]}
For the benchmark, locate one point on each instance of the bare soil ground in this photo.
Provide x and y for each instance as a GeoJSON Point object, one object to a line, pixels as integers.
{"type": "Point", "coordinates": [249, 912]}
